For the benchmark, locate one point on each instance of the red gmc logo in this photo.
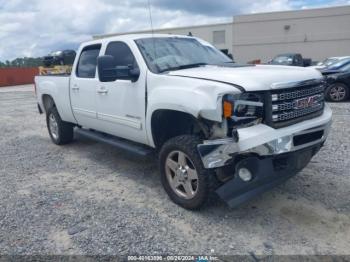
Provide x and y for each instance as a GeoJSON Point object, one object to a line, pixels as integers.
{"type": "Point", "coordinates": [305, 102]}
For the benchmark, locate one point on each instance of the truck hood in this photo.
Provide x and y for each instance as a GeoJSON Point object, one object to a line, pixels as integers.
{"type": "Point", "coordinates": [251, 78]}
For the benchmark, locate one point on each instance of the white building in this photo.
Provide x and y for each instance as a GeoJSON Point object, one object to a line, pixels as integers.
{"type": "Point", "coordinates": [315, 33]}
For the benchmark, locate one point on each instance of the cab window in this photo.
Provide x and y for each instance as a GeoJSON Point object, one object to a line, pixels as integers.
{"type": "Point", "coordinates": [122, 54]}
{"type": "Point", "coordinates": [88, 61]}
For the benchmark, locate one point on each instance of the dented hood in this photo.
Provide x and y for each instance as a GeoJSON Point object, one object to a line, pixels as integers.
{"type": "Point", "coordinates": [251, 78]}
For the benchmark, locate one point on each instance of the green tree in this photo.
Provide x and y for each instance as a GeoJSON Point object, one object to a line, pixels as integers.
{"type": "Point", "coordinates": [23, 62]}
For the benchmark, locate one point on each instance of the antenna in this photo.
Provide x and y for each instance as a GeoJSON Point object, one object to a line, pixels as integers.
{"type": "Point", "coordinates": [150, 15]}
{"type": "Point", "coordinates": [151, 21]}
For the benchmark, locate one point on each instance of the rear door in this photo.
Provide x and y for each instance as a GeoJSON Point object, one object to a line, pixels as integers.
{"type": "Point", "coordinates": [83, 86]}
{"type": "Point", "coordinates": [121, 103]}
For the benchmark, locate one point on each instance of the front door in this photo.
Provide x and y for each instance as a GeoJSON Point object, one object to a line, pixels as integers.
{"type": "Point", "coordinates": [121, 103]}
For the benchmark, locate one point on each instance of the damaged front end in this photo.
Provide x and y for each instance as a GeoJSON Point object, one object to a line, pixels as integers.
{"type": "Point", "coordinates": [264, 166]}
{"type": "Point", "coordinates": [267, 153]}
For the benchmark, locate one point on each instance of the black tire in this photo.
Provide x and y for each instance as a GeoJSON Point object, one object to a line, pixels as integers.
{"type": "Point", "coordinates": [64, 133]}
{"type": "Point", "coordinates": [331, 92]}
{"type": "Point", "coordinates": [204, 186]}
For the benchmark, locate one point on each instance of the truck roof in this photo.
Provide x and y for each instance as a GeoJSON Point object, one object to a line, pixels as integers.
{"type": "Point", "coordinates": [288, 54]}
{"type": "Point", "coordinates": [133, 37]}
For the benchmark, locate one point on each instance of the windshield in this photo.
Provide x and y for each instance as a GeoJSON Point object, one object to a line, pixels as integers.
{"type": "Point", "coordinates": [338, 65]}
{"type": "Point", "coordinates": [283, 60]}
{"type": "Point", "coordinates": [173, 53]}
{"type": "Point", "coordinates": [346, 68]}
{"type": "Point", "coordinates": [328, 61]}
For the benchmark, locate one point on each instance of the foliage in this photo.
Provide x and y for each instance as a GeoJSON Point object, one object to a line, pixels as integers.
{"type": "Point", "coordinates": [22, 62]}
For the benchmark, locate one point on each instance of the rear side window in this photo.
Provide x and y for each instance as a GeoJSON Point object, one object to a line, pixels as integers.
{"type": "Point", "coordinates": [88, 61]}
{"type": "Point", "coordinates": [122, 54]}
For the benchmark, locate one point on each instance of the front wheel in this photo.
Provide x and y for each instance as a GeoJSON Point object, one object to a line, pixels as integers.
{"type": "Point", "coordinates": [183, 175]}
{"type": "Point", "coordinates": [337, 92]}
{"type": "Point", "coordinates": [61, 132]}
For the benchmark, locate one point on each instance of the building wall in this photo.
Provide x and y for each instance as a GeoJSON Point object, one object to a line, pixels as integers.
{"type": "Point", "coordinates": [207, 33]}
{"type": "Point", "coordinates": [316, 34]}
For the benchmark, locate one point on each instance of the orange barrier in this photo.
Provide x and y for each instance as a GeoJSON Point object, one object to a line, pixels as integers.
{"type": "Point", "coordinates": [254, 62]}
{"type": "Point", "coordinates": [17, 76]}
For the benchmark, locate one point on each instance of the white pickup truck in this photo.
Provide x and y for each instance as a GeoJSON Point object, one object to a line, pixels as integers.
{"type": "Point", "coordinates": [217, 126]}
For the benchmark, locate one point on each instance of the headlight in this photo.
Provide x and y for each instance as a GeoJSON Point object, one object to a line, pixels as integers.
{"type": "Point", "coordinates": [243, 109]}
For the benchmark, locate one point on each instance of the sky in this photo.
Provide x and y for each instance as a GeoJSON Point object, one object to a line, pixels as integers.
{"type": "Point", "coordinates": [33, 28]}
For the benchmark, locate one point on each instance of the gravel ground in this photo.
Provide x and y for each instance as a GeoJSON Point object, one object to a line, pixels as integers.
{"type": "Point", "coordinates": [89, 198]}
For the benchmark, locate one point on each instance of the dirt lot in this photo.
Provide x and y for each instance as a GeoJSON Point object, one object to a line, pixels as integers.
{"type": "Point", "coordinates": [89, 198]}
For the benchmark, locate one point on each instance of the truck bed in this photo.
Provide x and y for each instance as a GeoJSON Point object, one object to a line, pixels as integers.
{"type": "Point", "coordinates": [56, 86]}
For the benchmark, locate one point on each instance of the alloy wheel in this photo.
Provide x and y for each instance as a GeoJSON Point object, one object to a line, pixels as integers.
{"type": "Point", "coordinates": [337, 93]}
{"type": "Point", "coordinates": [53, 126]}
{"type": "Point", "coordinates": [181, 174]}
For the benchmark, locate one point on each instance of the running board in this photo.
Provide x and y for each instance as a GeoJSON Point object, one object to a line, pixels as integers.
{"type": "Point", "coordinates": [121, 143]}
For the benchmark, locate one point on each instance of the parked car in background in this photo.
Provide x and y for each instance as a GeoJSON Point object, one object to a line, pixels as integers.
{"type": "Point", "coordinates": [290, 59]}
{"type": "Point", "coordinates": [338, 81]}
{"type": "Point", "coordinates": [58, 63]}
{"type": "Point", "coordinates": [337, 66]}
{"type": "Point", "coordinates": [64, 57]}
{"type": "Point", "coordinates": [329, 61]}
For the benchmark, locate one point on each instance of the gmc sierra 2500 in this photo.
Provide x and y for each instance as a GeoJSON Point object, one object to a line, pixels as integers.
{"type": "Point", "coordinates": [216, 125]}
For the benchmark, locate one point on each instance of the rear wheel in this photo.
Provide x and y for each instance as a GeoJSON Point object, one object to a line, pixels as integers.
{"type": "Point", "coordinates": [183, 175]}
{"type": "Point", "coordinates": [337, 92]}
{"type": "Point", "coordinates": [61, 132]}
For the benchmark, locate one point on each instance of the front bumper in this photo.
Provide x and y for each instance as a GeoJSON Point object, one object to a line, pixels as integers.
{"type": "Point", "coordinates": [270, 155]}
{"type": "Point", "coordinates": [262, 140]}
{"type": "Point", "coordinates": [268, 172]}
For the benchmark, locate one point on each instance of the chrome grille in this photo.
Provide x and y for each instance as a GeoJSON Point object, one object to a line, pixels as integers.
{"type": "Point", "coordinates": [298, 93]}
{"type": "Point", "coordinates": [294, 104]}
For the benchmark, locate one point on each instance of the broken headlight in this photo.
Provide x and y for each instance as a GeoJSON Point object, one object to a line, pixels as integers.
{"type": "Point", "coordinates": [244, 109]}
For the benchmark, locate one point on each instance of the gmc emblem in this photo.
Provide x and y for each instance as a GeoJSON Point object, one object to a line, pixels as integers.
{"type": "Point", "coordinates": [306, 102]}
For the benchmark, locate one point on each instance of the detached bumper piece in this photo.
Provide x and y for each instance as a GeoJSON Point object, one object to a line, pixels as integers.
{"type": "Point", "coordinates": [39, 109]}
{"type": "Point", "coordinates": [266, 173]}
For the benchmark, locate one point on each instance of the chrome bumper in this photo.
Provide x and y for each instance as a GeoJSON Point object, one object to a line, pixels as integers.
{"type": "Point", "coordinates": [263, 140]}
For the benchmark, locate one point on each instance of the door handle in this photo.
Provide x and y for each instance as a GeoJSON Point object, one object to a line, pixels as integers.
{"type": "Point", "coordinates": [102, 90]}
{"type": "Point", "coordinates": [75, 87]}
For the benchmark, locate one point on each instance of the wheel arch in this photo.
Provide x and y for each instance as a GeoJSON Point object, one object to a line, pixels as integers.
{"type": "Point", "coordinates": [169, 123]}
{"type": "Point", "coordinates": [341, 81]}
{"type": "Point", "coordinates": [47, 101]}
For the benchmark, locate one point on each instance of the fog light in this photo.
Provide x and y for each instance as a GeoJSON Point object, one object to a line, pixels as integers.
{"type": "Point", "coordinates": [245, 174]}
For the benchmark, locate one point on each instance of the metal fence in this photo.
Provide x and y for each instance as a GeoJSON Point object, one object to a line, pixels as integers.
{"type": "Point", "coordinates": [17, 76]}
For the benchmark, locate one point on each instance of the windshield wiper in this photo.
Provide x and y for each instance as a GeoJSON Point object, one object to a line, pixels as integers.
{"type": "Point", "coordinates": [183, 67]}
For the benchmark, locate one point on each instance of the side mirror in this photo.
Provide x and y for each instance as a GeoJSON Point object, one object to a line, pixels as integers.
{"type": "Point", "coordinates": [106, 69]}
{"type": "Point", "coordinates": [127, 73]}
{"type": "Point", "coordinates": [108, 72]}
{"type": "Point", "coordinates": [134, 74]}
